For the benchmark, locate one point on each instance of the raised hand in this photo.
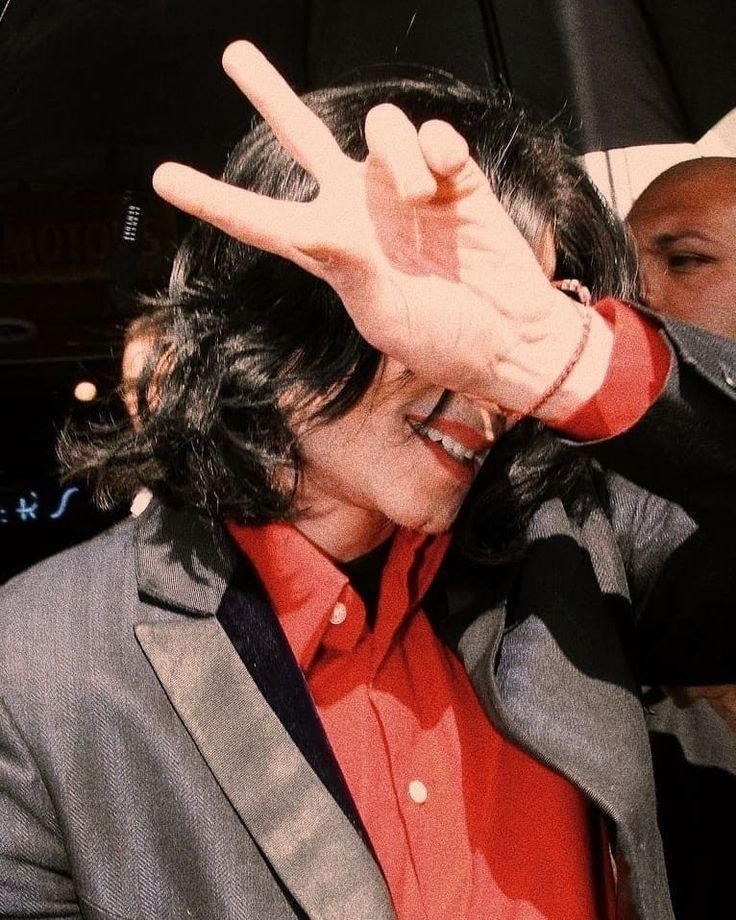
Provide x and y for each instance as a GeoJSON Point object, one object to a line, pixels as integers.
{"type": "Point", "coordinates": [430, 267]}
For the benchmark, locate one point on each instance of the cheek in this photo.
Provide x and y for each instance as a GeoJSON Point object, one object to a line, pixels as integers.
{"type": "Point", "coordinates": [650, 278]}
{"type": "Point", "coordinates": [702, 298]}
{"type": "Point", "coordinates": [665, 290]}
{"type": "Point", "coordinates": [358, 452]}
{"type": "Point", "coordinates": [718, 297]}
{"type": "Point", "coordinates": [698, 289]}
{"type": "Point", "coordinates": [722, 289]}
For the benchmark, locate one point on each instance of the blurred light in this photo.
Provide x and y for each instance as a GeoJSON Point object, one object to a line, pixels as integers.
{"type": "Point", "coordinates": [85, 391]}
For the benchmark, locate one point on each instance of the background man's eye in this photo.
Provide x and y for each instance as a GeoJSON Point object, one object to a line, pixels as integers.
{"type": "Point", "coordinates": [686, 260]}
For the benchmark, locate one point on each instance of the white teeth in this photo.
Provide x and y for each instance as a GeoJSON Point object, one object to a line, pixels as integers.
{"type": "Point", "coordinates": [452, 447]}
{"type": "Point", "coordinates": [456, 450]}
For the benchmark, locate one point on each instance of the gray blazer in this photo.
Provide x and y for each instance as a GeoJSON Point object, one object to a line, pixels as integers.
{"type": "Point", "coordinates": [143, 773]}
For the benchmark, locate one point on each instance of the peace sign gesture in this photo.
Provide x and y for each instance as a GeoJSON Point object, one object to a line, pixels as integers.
{"type": "Point", "coordinates": [430, 267]}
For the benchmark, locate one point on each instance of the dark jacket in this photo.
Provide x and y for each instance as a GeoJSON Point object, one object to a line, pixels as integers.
{"type": "Point", "coordinates": [160, 756]}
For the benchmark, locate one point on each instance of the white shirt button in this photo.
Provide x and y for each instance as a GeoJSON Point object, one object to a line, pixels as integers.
{"type": "Point", "coordinates": [339, 614]}
{"type": "Point", "coordinates": [418, 792]}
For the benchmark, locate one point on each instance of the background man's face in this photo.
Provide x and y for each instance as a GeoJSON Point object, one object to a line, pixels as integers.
{"type": "Point", "coordinates": [685, 229]}
{"type": "Point", "coordinates": [135, 356]}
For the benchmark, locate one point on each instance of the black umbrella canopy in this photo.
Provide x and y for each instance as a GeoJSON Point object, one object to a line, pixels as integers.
{"type": "Point", "coordinates": [697, 45]}
{"type": "Point", "coordinates": [613, 73]}
{"type": "Point", "coordinates": [622, 72]}
{"type": "Point", "coordinates": [595, 64]}
{"type": "Point", "coordinates": [105, 90]}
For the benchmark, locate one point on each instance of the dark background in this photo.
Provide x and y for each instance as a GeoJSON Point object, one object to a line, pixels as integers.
{"type": "Point", "coordinates": [94, 94]}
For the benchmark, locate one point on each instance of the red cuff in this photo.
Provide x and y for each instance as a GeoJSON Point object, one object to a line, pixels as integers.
{"type": "Point", "coordinates": [640, 364]}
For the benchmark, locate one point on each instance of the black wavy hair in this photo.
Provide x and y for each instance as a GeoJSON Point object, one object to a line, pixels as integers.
{"type": "Point", "coordinates": [244, 328]}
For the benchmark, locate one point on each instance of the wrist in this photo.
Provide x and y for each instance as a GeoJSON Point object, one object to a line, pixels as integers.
{"type": "Point", "coordinates": [585, 377]}
{"type": "Point", "coordinates": [557, 365]}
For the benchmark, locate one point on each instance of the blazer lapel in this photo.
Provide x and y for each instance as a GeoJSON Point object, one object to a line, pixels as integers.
{"type": "Point", "coordinates": [302, 831]}
{"type": "Point", "coordinates": [182, 560]}
{"type": "Point", "coordinates": [252, 627]}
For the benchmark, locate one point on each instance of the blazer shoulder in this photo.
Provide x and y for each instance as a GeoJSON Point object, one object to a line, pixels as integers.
{"type": "Point", "coordinates": [713, 356]}
{"type": "Point", "coordinates": [51, 606]}
{"type": "Point", "coordinates": [69, 569]}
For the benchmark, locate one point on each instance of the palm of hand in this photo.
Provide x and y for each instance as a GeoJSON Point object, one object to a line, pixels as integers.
{"type": "Point", "coordinates": [428, 264]}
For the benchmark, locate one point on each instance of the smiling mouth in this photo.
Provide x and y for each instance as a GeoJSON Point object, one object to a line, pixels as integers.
{"type": "Point", "coordinates": [459, 447]}
{"type": "Point", "coordinates": [453, 448]}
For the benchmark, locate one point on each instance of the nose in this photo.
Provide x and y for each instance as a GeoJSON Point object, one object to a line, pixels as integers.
{"type": "Point", "coordinates": [647, 279]}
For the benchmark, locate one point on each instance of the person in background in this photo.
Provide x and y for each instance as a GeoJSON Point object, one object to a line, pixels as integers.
{"type": "Point", "coordinates": [139, 345]}
{"type": "Point", "coordinates": [684, 224]}
{"type": "Point", "coordinates": [375, 648]}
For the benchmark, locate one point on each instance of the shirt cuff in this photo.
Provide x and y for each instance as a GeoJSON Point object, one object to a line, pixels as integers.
{"type": "Point", "coordinates": [639, 367]}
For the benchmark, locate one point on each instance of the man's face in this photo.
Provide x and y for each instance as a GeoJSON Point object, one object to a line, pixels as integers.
{"type": "Point", "coordinates": [406, 453]}
{"type": "Point", "coordinates": [685, 229]}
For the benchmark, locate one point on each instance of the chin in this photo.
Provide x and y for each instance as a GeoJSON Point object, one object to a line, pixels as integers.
{"type": "Point", "coordinates": [432, 520]}
{"type": "Point", "coordinates": [437, 527]}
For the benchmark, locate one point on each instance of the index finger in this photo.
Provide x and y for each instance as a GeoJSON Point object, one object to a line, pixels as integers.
{"type": "Point", "coordinates": [278, 226]}
{"type": "Point", "coordinates": [303, 135]}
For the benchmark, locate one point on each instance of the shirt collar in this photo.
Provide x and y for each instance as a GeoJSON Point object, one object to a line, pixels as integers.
{"type": "Point", "coordinates": [304, 585]}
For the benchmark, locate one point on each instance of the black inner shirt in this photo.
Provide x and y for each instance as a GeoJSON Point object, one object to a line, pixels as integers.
{"type": "Point", "coordinates": [365, 577]}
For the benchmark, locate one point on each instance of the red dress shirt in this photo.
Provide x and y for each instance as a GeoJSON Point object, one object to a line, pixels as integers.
{"type": "Point", "coordinates": [464, 824]}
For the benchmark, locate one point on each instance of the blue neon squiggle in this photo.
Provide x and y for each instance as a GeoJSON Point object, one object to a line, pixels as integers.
{"type": "Point", "coordinates": [65, 499]}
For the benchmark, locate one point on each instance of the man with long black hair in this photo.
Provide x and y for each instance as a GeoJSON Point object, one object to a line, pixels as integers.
{"type": "Point", "coordinates": [375, 648]}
